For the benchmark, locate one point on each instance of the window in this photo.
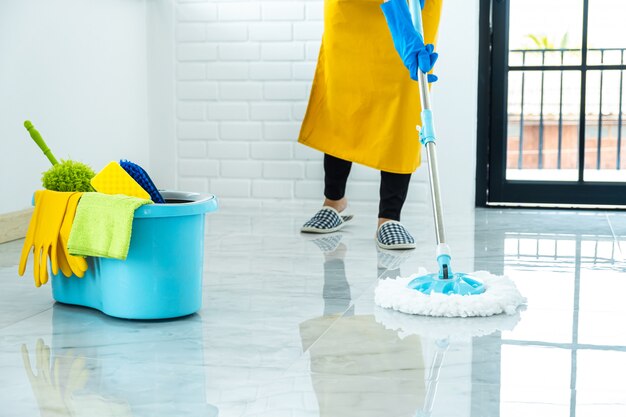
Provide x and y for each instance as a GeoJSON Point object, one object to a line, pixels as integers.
{"type": "Point", "coordinates": [552, 119]}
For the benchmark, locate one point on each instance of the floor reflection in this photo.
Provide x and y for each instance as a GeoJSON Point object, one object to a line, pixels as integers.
{"type": "Point", "coordinates": [95, 365]}
{"type": "Point", "coordinates": [289, 328]}
{"type": "Point", "coordinates": [573, 279]}
{"type": "Point", "coordinates": [359, 368]}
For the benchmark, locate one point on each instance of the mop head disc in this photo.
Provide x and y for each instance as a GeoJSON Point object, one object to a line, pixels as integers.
{"type": "Point", "coordinates": [500, 296]}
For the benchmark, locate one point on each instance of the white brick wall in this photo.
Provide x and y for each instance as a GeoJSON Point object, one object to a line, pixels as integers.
{"type": "Point", "coordinates": [244, 71]}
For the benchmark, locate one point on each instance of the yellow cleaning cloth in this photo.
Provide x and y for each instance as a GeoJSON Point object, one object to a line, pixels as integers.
{"type": "Point", "coordinates": [103, 225]}
{"type": "Point", "coordinates": [113, 179]}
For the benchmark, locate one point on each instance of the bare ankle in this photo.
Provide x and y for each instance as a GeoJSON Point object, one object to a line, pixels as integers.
{"type": "Point", "coordinates": [339, 205]}
{"type": "Point", "coordinates": [382, 220]}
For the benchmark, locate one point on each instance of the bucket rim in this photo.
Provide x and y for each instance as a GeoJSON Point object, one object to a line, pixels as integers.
{"type": "Point", "coordinates": [194, 203]}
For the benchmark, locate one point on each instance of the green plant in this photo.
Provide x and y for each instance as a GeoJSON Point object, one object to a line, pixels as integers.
{"type": "Point", "coordinates": [541, 41]}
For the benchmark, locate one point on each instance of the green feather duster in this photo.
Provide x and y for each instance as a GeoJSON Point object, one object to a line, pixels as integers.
{"type": "Point", "coordinates": [68, 176]}
{"type": "Point", "coordinates": [65, 176]}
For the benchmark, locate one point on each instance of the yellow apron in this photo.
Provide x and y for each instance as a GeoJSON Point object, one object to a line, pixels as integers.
{"type": "Point", "coordinates": [364, 106]}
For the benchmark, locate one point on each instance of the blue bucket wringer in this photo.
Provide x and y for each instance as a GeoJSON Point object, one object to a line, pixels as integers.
{"type": "Point", "coordinates": [162, 275]}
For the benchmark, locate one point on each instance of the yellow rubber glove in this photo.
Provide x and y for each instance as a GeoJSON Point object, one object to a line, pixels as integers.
{"type": "Point", "coordinates": [70, 264]}
{"type": "Point", "coordinates": [43, 233]}
{"type": "Point", "coordinates": [64, 264]}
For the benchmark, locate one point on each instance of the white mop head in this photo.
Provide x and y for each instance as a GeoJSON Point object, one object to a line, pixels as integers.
{"type": "Point", "coordinates": [500, 296]}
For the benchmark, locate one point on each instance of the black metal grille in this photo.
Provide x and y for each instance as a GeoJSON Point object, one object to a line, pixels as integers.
{"type": "Point", "coordinates": [600, 114]}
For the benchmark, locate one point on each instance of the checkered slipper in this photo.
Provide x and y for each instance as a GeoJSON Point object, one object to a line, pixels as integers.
{"type": "Point", "coordinates": [326, 220]}
{"type": "Point", "coordinates": [393, 235]}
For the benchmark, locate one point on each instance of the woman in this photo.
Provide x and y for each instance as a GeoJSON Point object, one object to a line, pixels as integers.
{"type": "Point", "coordinates": [364, 107]}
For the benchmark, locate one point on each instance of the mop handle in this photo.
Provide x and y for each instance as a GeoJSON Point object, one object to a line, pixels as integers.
{"type": "Point", "coordinates": [427, 132]}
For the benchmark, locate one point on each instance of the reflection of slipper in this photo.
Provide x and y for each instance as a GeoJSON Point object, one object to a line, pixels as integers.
{"type": "Point", "coordinates": [393, 235]}
{"type": "Point", "coordinates": [327, 243]}
{"type": "Point", "coordinates": [326, 220]}
{"type": "Point", "coordinates": [392, 259]}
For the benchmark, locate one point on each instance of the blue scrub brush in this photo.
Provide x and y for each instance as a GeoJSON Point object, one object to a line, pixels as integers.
{"type": "Point", "coordinates": [143, 179]}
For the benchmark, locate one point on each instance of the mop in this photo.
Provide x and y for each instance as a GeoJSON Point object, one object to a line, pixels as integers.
{"type": "Point", "coordinates": [445, 293]}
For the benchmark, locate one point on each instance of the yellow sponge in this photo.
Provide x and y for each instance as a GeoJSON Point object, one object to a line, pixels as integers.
{"type": "Point", "coordinates": [114, 180]}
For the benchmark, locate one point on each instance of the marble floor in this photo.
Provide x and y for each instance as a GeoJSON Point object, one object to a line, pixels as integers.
{"type": "Point", "coordinates": [288, 327]}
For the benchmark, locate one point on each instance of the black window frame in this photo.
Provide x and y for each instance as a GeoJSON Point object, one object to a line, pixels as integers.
{"type": "Point", "coordinates": [492, 187]}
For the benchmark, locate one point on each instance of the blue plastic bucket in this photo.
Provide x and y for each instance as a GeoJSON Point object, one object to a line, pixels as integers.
{"type": "Point", "coordinates": [162, 275]}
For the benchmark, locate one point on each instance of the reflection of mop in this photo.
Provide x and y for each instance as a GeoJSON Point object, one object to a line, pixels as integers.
{"type": "Point", "coordinates": [433, 378]}
{"type": "Point", "coordinates": [446, 293]}
{"type": "Point", "coordinates": [445, 327]}
{"type": "Point", "coordinates": [444, 331]}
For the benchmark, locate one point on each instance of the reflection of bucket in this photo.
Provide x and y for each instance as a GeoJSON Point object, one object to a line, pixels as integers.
{"type": "Point", "coordinates": [162, 275]}
{"type": "Point", "coordinates": [110, 369]}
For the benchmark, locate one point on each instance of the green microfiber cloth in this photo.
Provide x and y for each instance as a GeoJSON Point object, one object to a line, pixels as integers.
{"type": "Point", "coordinates": [103, 225]}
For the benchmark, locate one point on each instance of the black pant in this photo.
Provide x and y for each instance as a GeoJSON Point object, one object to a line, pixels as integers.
{"type": "Point", "coordinates": [393, 187]}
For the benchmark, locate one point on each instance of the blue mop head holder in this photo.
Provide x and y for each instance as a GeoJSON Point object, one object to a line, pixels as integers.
{"type": "Point", "coordinates": [446, 281]}
{"type": "Point", "coordinates": [459, 283]}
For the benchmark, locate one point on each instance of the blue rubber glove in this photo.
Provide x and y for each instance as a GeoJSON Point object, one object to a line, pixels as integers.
{"type": "Point", "coordinates": [406, 40]}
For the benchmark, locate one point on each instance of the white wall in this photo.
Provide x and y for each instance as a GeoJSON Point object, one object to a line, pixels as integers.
{"type": "Point", "coordinates": [207, 95]}
{"type": "Point", "coordinates": [77, 70]}
{"type": "Point", "coordinates": [244, 70]}
{"type": "Point", "coordinates": [161, 92]}
{"type": "Point", "coordinates": [455, 102]}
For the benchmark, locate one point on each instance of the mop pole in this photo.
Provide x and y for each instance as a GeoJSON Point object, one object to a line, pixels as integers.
{"type": "Point", "coordinates": [427, 137]}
